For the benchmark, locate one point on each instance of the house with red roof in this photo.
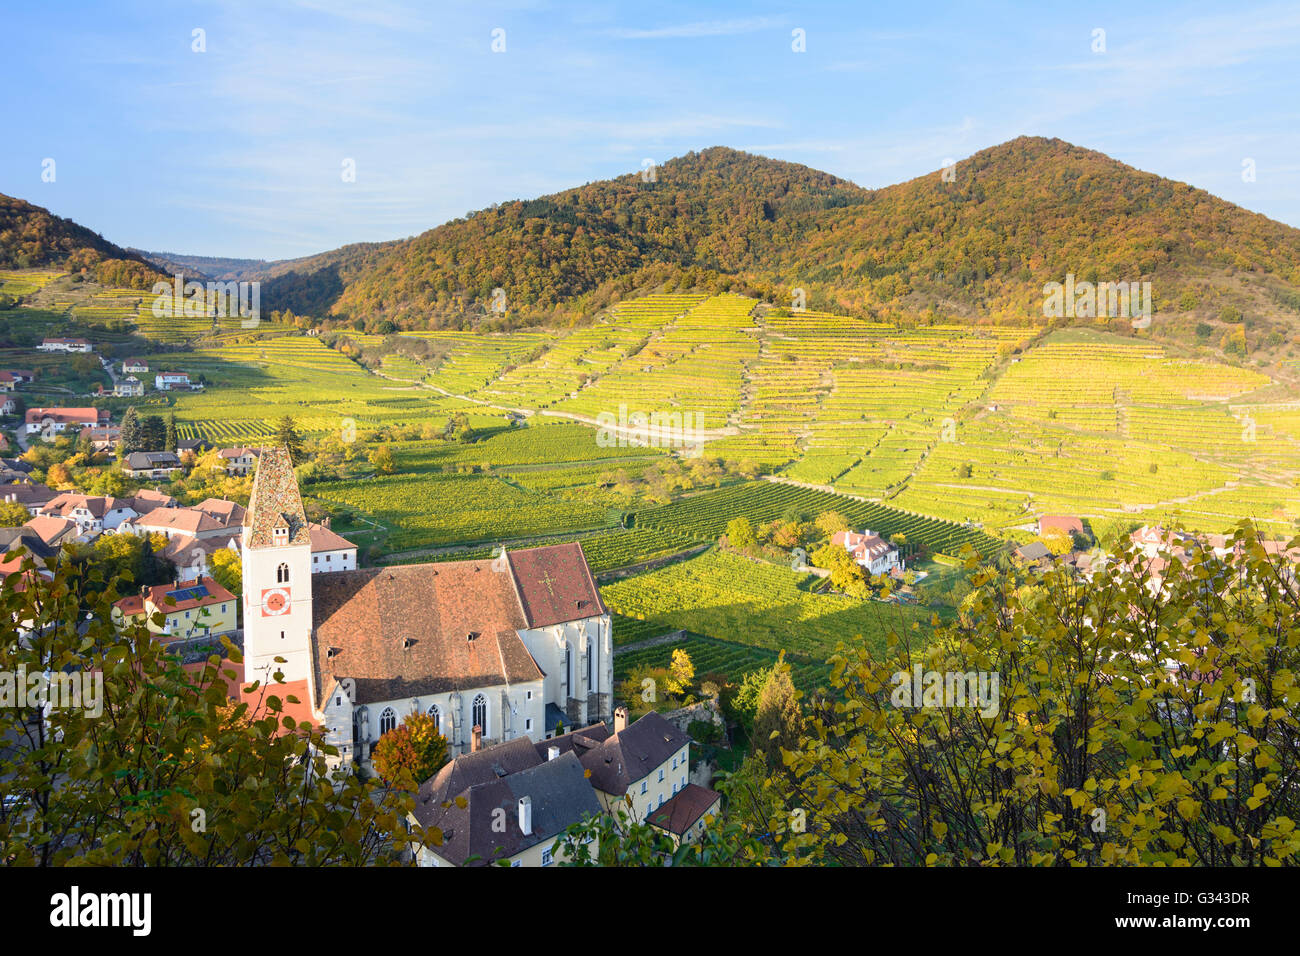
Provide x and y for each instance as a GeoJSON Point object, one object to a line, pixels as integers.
{"type": "Point", "coordinates": [190, 609]}
{"type": "Point", "coordinates": [870, 550]}
{"type": "Point", "coordinates": [55, 420]}
{"type": "Point", "coordinates": [1066, 523]}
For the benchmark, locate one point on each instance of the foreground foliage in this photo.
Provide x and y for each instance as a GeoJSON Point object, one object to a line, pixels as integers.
{"type": "Point", "coordinates": [170, 771]}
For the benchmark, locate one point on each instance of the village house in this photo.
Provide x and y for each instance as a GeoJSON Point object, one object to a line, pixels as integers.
{"type": "Point", "coordinates": [151, 464]}
{"type": "Point", "coordinates": [9, 406]}
{"type": "Point", "coordinates": [330, 551]}
{"type": "Point", "coordinates": [166, 381]}
{"type": "Point", "coordinates": [55, 420]}
{"type": "Point", "coordinates": [491, 645]}
{"type": "Point", "coordinates": [870, 550]}
{"type": "Point", "coordinates": [1064, 523]}
{"type": "Point", "coordinates": [30, 495]}
{"type": "Point", "coordinates": [685, 816]}
{"type": "Point", "coordinates": [8, 381]}
{"type": "Point", "coordinates": [239, 461]}
{"type": "Point", "coordinates": [64, 345]}
{"type": "Point", "coordinates": [129, 387]}
{"type": "Point", "coordinates": [56, 532]}
{"type": "Point", "coordinates": [92, 513]}
{"type": "Point", "coordinates": [193, 609]}
{"type": "Point", "coordinates": [505, 803]}
{"type": "Point", "coordinates": [1035, 554]}
{"type": "Point", "coordinates": [646, 762]}
{"type": "Point", "coordinates": [134, 366]}
{"type": "Point", "coordinates": [103, 437]}
{"type": "Point", "coordinates": [535, 790]}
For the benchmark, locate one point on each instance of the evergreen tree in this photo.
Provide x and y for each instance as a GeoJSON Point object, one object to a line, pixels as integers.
{"type": "Point", "coordinates": [170, 437]}
{"type": "Point", "coordinates": [132, 432]}
{"type": "Point", "coordinates": [286, 434]}
{"type": "Point", "coordinates": [154, 433]}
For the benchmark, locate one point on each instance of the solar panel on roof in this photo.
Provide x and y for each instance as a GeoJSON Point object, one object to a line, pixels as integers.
{"type": "Point", "coordinates": [190, 594]}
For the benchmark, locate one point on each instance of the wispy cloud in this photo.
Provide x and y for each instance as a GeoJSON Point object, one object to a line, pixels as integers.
{"type": "Point", "coordinates": [703, 28]}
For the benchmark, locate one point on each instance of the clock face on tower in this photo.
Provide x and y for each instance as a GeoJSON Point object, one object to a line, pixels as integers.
{"type": "Point", "coordinates": [275, 601]}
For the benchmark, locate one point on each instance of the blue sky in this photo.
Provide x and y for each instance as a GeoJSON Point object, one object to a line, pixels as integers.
{"type": "Point", "coordinates": [238, 150]}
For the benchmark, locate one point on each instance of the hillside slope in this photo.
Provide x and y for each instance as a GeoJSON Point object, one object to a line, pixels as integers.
{"type": "Point", "coordinates": [33, 237]}
{"type": "Point", "coordinates": [1014, 217]}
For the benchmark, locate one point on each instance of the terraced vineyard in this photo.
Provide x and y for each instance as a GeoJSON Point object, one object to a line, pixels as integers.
{"type": "Point", "coordinates": [747, 602]}
{"type": "Point", "coordinates": [710, 656]}
{"type": "Point", "coordinates": [705, 516]}
{"type": "Point", "coordinates": [1092, 425]}
{"type": "Point", "coordinates": [438, 510]}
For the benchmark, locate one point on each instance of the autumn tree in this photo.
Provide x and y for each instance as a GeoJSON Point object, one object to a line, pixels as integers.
{"type": "Point", "coordinates": [383, 460]}
{"type": "Point", "coordinates": [413, 751]}
{"type": "Point", "coordinates": [846, 574]}
{"type": "Point", "coordinates": [680, 672]}
{"type": "Point", "coordinates": [154, 766]}
{"type": "Point", "coordinates": [777, 719]}
{"type": "Point", "coordinates": [740, 533]}
{"type": "Point", "coordinates": [13, 515]}
{"type": "Point", "coordinates": [1129, 725]}
{"type": "Point", "coordinates": [829, 522]}
{"type": "Point", "coordinates": [227, 570]}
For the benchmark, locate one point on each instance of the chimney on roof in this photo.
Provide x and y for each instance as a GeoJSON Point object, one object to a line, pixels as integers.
{"type": "Point", "coordinates": [620, 719]}
{"type": "Point", "coordinates": [476, 740]}
{"type": "Point", "coordinates": [526, 816]}
{"type": "Point", "coordinates": [552, 753]}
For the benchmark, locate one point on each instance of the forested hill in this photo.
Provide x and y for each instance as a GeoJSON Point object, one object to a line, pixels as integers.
{"type": "Point", "coordinates": [713, 211]}
{"type": "Point", "coordinates": [980, 242]}
{"type": "Point", "coordinates": [1029, 211]}
{"type": "Point", "coordinates": [32, 237]}
{"type": "Point", "coordinates": [984, 240]}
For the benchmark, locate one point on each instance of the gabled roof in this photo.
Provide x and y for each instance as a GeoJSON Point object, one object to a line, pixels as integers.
{"type": "Point", "coordinates": [28, 493]}
{"type": "Point", "coordinates": [1065, 523]}
{"type": "Point", "coordinates": [473, 770]}
{"type": "Point", "coordinates": [555, 584]}
{"type": "Point", "coordinates": [1033, 551]}
{"type": "Point", "coordinates": [684, 809]}
{"type": "Point", "coordinates": [632, 753]}
{"type": "Point", "coordinates": [26, 539]}
{"type": "Point", "coordinates": [97, 505]}
{"type": "Point", "coordinates": [53, 531]}
{"type": "Point", "coordinates": [171, 598]}
{"type": "Point", "coordinates": [225, 512]}
{"type": "Point", "coordinates": [405, 630]}
{"type": "Point", "coordinates": [142, 460]}
{"type": "Point", "coordinates": [275, 502]}
{"type": "Point", "coordinates": [323, 539]}
{"type": "Point", "coordinates": [182, 520]}
{"type": "Point", "coordinates": [557, 790]}
{"type": "Point", "coordinates": [64, 415]}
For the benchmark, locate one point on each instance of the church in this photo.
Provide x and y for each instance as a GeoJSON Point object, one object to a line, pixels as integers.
{"type": "Point", "coordinates": [518, 645]}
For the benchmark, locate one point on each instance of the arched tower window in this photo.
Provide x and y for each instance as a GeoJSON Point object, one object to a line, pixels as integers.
{"type": "Point", "coordinates": [437, 717]}
{"type": "Point", "coordinates": [282, 574]}
{"type": "Point", "coordinates": [480, 714]}
{"type": "Point", "coordinates": [387, 720]}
